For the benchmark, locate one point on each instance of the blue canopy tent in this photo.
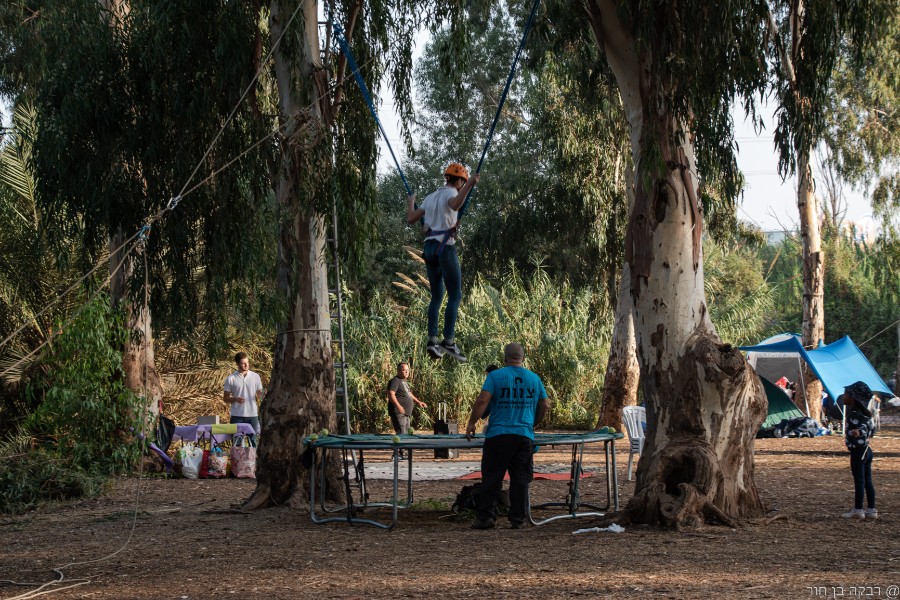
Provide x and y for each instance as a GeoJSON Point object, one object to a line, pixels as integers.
{"type": "Point", "coordinates": [841, 363]}
{"type": "Point", "coordinates": [837, 365]}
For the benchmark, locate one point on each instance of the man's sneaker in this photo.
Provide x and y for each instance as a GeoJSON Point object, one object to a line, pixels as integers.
{"type": "Point", "coordinates": [483, 524]}
{"type": "Point", "coordinates": [453, 350]}
{"type": "Point", "coordinates": [856, 513]}
{"type": "Point", "coordinates": [872, 513]}
{"type": "Point", "coordinates": [517, 525]}
{"type": "Point", "coordinates": [435, 350]}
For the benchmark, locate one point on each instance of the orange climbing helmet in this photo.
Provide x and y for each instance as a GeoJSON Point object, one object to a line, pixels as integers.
{"type": "Point", "coordinates": [457, 170]}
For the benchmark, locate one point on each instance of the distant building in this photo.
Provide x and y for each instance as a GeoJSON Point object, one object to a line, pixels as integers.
{"type": "Point", "coordinates": [775, 237]}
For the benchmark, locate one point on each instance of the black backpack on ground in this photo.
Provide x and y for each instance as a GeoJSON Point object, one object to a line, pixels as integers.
{"type": "Point", "coordinates": [467, 499]}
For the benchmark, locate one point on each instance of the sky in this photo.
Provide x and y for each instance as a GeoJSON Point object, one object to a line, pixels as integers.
{"type": "Point", "coordinates": [768, 201]}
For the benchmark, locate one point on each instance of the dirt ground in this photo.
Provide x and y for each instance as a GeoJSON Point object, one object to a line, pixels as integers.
{"type": "Point", "coordinates": [182, 548]}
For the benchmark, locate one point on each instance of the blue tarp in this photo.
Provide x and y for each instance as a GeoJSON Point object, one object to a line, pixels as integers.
{"type": "Point", "coordinates": [837, 365]}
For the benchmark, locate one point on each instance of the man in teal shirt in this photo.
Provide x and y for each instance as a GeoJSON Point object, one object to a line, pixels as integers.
{"type": "Point", "coordinates": [517, 401]}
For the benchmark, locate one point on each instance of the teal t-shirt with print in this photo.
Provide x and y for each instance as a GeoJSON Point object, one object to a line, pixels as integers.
{"type": "Point", "coordinates": [515, 393]}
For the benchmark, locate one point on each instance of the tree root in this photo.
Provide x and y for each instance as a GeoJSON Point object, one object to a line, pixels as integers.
{"type": "Point", "coordinates": [712, 511]}
{"type": "Point", "coordinates": [768, 521]}
{"type": "Point", "coordinates": [686, 511]}
{"type": "Point", "coordinates": [261, 498]}
{"type": "Point", "coordinates": [619, 518]}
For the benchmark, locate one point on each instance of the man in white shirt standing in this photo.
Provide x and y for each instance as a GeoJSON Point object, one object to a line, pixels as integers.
{"type": "Point", "coordinates": [243, 389]}
{"type": "Point", "coordinates": [439, 213]}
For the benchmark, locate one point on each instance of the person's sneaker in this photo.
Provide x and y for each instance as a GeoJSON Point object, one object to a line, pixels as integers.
{"type": "Point", "coordinates": [517, 525]}
{"type": "Point", "coordinates": [483, 524]}
{"type": "Point", "coordinates": [435, 350]}
{"type": "Point", "coordinates": [453, 350]}
{"type": "Point", "coordinates": [872, 513]}
{"type": "Point", "coordinates": [856, 513]}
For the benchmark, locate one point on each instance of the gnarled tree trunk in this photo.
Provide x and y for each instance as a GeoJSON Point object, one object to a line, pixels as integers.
{"type": "Point", "coordinates": [704, 405]}
{"type": "Point", "coordinates": [301, 395]}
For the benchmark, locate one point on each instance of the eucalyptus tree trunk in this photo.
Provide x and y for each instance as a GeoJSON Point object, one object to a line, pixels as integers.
{"type": "Point", "coordinates": [301, 395]}
{"type": "Point", "coordinates": [813, 325]}
{"type": "Point", "coordinates": [620, 385]}
{"type": "Point", "coordinates": [623, 374]}
{"type": "Point", "coordinates": [704, 404]}
{"type": "Point", "coordinates": [138, 359]}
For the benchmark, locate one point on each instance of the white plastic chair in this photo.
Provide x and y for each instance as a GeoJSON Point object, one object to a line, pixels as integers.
{"type": "Point", "coordinates": [634, 418]}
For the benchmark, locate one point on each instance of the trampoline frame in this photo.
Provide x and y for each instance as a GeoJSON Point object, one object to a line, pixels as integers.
{"type": "Point", "coordinates": [358, 444]}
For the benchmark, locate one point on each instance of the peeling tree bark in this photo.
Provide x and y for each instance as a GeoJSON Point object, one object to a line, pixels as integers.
{"type": "Point", "coordinates": [620, 385]}
{"type": "Point", "coordinates": [623, 374]}
{"type": "Point", "coordinates": [813, 327]}
{"type": "Point", "coordinates": [704, 404]}
{"type": "Point", "coordinates": [138, 359]}
{"type": "Point", "coordinates": [301, 395]}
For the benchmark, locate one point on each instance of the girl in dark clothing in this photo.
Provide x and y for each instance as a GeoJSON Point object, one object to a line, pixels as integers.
{"type": "Point", "coordinates": [859, 428]}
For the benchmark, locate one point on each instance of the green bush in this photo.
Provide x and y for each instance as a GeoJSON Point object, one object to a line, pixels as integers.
{"type": "Point", "coordinates": [86, 413]}
{"type": "Point", "coordinates": [83, 429]}
{"type": "Point", "coordinates": [42, 475]}
{"type": "Point", "coordinates": [566, 338]}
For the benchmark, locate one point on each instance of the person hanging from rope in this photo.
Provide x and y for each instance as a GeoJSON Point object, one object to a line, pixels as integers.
{"type": "Point", "coordinates": [439, 215]}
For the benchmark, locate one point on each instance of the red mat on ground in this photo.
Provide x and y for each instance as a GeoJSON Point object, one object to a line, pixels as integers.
{"type": "Point", "coordinates": [548, 476]}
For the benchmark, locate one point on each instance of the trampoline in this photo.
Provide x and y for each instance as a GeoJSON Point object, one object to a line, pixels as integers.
{"type": "Point", "coordinates": [354, 468]}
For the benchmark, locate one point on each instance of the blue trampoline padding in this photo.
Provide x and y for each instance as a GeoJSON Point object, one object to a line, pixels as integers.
{"type": "Point", "coordinates": [365, 441]}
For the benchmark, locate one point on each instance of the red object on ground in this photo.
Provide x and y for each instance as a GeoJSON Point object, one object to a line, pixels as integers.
{"type": "Point", "coordinates": [547, 476]}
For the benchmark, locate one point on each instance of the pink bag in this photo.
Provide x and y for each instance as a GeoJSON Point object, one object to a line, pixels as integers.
{"type": "Point", "coordinates": [243, 459]}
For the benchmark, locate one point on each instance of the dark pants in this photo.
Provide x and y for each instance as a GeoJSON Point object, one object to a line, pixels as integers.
{"type": "Point", "coordinates": [861, 467]}
{"type": "Point", "coordinates": [252, 421]}
{"type": "Point", "coordinates": [443, 269]}
{"type": "Point", "coordinates": [504, 453]}
{"type": "Point", "coordinates": [400, 423]}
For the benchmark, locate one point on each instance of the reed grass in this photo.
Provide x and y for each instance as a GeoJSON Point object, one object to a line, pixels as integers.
{"type": "Point", "coordinates": [566, 334]}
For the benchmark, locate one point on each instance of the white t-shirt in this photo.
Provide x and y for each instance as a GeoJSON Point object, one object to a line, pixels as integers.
{"type": "Point", "coordinates": [244, 387]}
{"type": "Point", "coordinates": [438, 214]}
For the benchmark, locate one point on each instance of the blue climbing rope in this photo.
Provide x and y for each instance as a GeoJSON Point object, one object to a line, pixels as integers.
{"type": "Point", "coordinates": [339, 35]}
{"type": "Point", "coordinates": [368, 98]}
{"type": "Point", "coordinates": [512, 73]}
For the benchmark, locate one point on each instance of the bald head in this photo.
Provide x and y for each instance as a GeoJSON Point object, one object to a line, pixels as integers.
{"type": "Point", "coordinates": [513, 354]}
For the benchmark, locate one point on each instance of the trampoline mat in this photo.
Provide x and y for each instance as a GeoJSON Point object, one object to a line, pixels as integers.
{"type": "Point", "coordinates": [417, 441]}
{"type": "Point", "coordinates": [463, 470]}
